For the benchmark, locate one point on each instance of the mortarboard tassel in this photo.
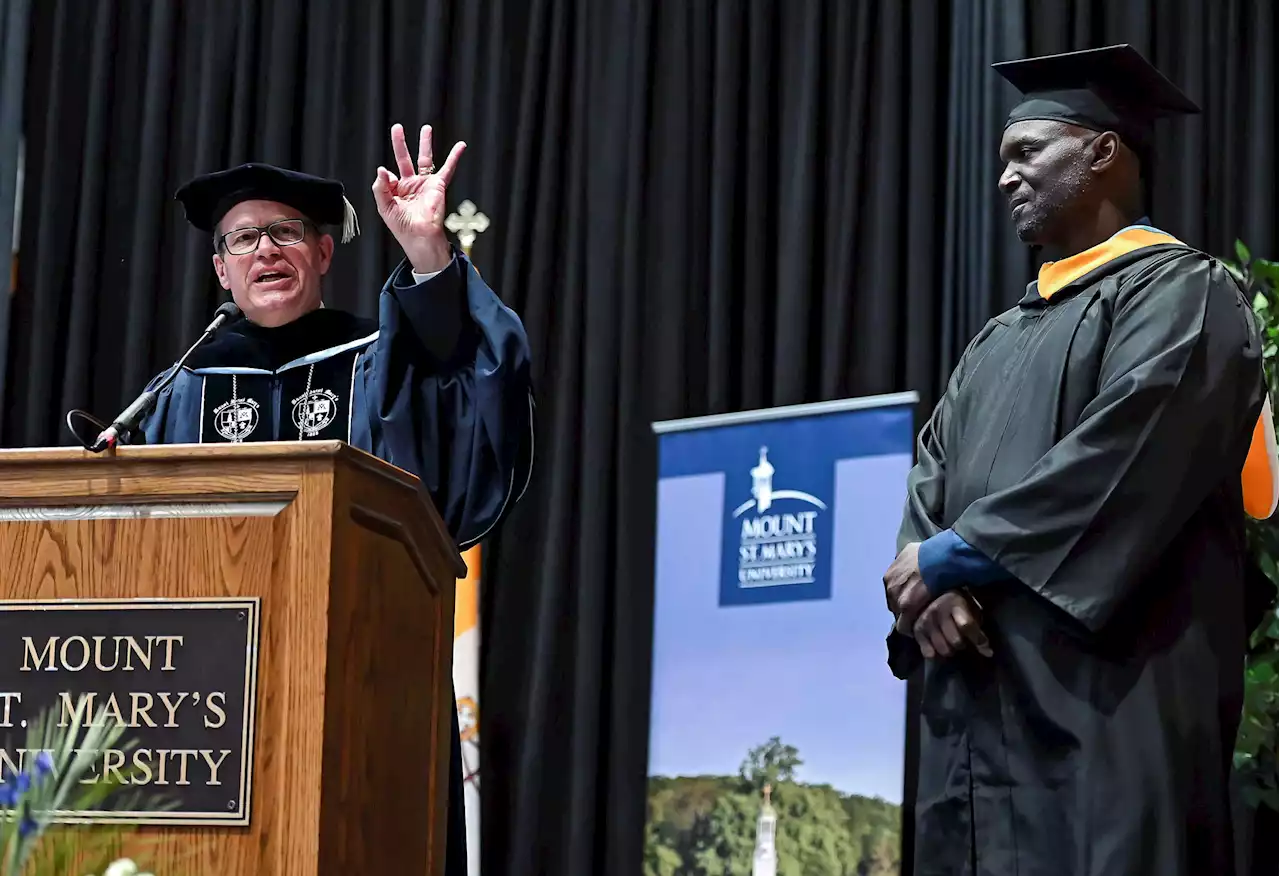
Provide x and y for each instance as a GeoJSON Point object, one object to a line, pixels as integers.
{"type": "Point", "coordinates": [350, 223]}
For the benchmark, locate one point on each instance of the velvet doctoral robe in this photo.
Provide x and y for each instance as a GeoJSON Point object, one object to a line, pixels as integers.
{"type": "Point", "coordinates": [1081, 479]}
{"type": "Point", "coordinates": [439, 385]}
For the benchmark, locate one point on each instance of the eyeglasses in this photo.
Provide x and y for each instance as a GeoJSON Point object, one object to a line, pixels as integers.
{"type": "Point", "coordinates": [285, 232]}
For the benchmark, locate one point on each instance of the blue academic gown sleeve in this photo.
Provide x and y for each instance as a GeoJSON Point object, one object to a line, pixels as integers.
{"type": "Point", "coordinates": [947, 561]}
{"type": "Point", "coordinates": [175, 419]}
{"type": "Point", "coordinates": [452, 394]}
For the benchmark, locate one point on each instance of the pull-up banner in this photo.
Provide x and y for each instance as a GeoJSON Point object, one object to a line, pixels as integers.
{"type": "Point", "coordinates": [776, 727]}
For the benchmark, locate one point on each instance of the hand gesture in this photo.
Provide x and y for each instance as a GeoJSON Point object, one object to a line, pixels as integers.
{"type": "Point", "coordinates": [413, 204]}
{"type": "Point", "coordinates": [904, 589]}
{"type": "Point", "coordinates": [948, 624]}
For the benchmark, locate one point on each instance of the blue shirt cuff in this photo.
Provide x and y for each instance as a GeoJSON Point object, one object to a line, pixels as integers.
{"type": "Point", "coordinates": [947, 561]}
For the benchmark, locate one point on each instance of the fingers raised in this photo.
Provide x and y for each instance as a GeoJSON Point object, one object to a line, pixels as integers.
{"type": "Point", "coordinates": [382, 188]}
{"type": "Point", "coordinates": [425, 159]}
{"type": "Point", "coordinates": [403, 162]}
{"type": "Point", "coordinates": [445, 173]}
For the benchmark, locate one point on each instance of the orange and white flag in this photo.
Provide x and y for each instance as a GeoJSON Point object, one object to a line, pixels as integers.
{"type": "Point", "coordinates": [466, 687]}
{"type": "Point", "coordinates": [1259, 479]}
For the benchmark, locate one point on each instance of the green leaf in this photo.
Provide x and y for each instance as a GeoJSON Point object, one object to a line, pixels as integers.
{"type": "Point", "coordinates": [1258, 678]}
{"type": "Point", "coordinates": [1235, 271]}
{"type": "Point", "coordinates": [1242, 253]}
{"type": "Point", "coordinates": [1267, 271]}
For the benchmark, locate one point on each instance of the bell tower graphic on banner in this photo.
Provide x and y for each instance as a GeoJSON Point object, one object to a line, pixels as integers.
{"type": "Point", "coordinates": [764, 861]}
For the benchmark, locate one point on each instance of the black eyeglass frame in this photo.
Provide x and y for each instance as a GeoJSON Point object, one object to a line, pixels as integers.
{"type": "Point", "coordinates": [257, 241]}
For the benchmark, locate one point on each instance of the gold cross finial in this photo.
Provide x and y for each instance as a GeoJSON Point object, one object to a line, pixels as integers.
{"type": "Point", "coordinates": [467, 223]}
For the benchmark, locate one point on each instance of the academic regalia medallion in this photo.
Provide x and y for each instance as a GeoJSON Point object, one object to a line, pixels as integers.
{"type": "Point", "coordinates": [236, 419]}
{"type": "Point", "coordinates": [235, 408]}
{"type": "Point", "coordinates": [282, 405]}
{"type": "Point", "coordinates": [314, 410]}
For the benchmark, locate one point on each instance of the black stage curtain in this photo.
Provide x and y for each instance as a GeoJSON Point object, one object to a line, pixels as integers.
{"type": "Point", "coordinates": [13, 54]}
{"type": "Point", "coordinates": [697, 207]}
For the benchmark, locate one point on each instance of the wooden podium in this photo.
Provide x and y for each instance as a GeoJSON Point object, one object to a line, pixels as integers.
{"type": "Point", "coordinates": [348, 572]}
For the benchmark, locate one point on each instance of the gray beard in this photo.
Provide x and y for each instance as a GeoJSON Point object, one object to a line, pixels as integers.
{"type": "Point", "coordinates": [1052, 207]}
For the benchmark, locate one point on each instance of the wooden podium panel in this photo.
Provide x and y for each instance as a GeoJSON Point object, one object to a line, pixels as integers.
{"type": "Point", "coordinates": [354, 576]}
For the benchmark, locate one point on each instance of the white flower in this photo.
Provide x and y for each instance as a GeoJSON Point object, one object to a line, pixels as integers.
{"type": "Point", "coordinates": [123, 867]}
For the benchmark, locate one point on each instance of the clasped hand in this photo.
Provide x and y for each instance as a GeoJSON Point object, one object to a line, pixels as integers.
{"type": "Point", "coordinates": [942, 626]}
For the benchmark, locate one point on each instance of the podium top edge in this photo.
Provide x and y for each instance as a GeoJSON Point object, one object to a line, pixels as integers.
{"type": "Point", "coordinates": [248, 452]}
{"type": "Point", "coordinates": [836, 406]}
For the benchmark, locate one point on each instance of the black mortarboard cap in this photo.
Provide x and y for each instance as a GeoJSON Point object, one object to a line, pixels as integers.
{"type": "Point", "coordinates": [210, 196]}
{"type": "Point", "coordinates": [1108, 89]}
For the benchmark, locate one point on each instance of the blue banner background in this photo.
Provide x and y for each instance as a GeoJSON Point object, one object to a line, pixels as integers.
{"type": "Point", "coordinates": [736, 666]}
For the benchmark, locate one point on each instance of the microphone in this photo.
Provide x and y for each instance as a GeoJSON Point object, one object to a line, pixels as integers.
{"type": "Point", "coordinates": [131, 416]}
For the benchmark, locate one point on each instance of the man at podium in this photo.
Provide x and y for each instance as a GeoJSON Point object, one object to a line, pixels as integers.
{"type": "Point", "coordinates": [438, 385]}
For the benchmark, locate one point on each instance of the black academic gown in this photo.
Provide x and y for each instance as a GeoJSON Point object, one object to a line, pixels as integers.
{"type": "Point", "coordinates": [1091, 445]}
{"type": "Point", "coordinates": [439, 385]}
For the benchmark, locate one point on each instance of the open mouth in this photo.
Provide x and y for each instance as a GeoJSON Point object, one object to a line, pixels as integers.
{"type": "Point", "coordinates": [271, 277]}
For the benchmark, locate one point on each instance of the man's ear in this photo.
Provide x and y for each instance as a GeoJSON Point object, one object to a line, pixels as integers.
{"type": "Point", "coordinates": [1104, 151]}
{"type": "Point", "coordinates": [326, 253]}
{"type": "Point", "coordinates": [220, 268]}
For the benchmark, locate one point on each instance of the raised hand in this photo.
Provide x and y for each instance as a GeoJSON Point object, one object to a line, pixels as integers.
{"type": "Point", "coordinates": [412, 204]}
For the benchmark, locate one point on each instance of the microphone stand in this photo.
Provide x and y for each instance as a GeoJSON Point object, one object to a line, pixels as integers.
{"type": "Point", "coordinates": [131, 416]}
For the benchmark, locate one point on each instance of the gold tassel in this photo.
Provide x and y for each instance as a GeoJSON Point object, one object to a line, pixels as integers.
{"type": "Point", "coordinates": [350, 223]}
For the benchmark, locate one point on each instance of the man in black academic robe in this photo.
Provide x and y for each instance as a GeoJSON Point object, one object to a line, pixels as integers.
{"type": "Point", "coordinates": [1072, 548]}
{"type": "Point", "coordinates": [438, 385]}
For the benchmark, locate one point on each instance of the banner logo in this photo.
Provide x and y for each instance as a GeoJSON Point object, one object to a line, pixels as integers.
{"type": "Point", "coordinates": [777, 538]}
